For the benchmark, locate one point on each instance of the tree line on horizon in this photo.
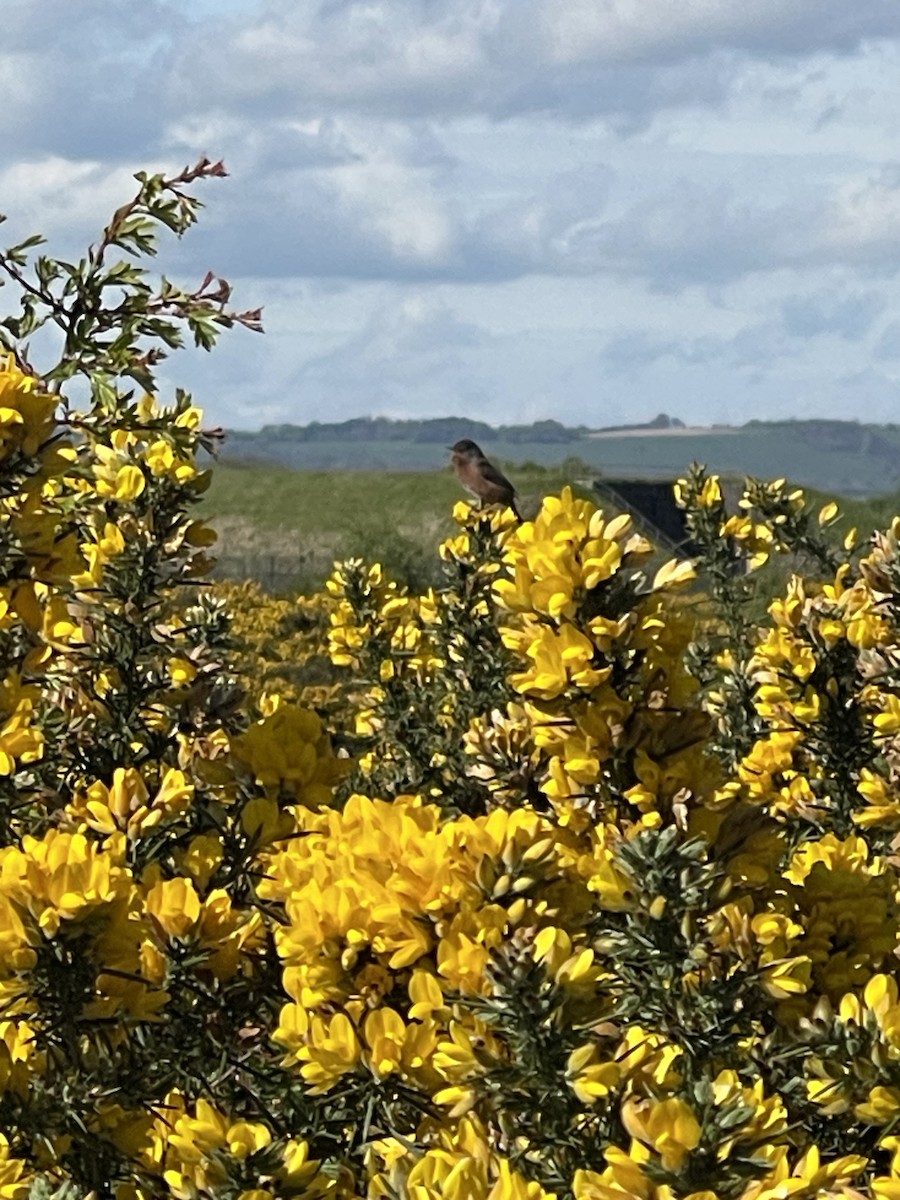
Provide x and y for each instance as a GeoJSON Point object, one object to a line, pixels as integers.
{"type": "Point", "coordinates": [442, 430]}
{"type": "Point", "coordinates": [447, 430]}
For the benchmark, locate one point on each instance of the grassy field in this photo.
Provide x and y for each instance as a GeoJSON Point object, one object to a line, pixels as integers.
{"type": "Point", "coordinates": [286, 528]}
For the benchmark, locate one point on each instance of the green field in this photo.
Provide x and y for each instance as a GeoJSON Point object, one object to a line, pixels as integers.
{"type": "Point", "coordinates": [286, 527]}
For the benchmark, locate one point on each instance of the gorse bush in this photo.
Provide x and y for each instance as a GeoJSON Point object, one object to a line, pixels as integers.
{"type": "Point", "coordinates": [671, 967]}
{"type": "Point", "coordinates": [598, 900]}
{"type": "Point", "coordinates": [139, 963]}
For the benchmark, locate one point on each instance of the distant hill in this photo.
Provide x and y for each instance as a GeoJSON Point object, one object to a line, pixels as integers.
{"type": "Point", "coordinates": [663, 421]}
{"type": "Point", "coordinates": [841, 457]}
{"type": "Point", "coordinates": [438, 431]}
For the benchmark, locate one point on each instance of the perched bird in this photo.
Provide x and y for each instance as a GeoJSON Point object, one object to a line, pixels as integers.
{"type": "Point", "coordinates": [481, 477]}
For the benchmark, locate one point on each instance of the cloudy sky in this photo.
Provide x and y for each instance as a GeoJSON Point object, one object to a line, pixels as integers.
{"type": "Point", "coordinates": [594, 210]}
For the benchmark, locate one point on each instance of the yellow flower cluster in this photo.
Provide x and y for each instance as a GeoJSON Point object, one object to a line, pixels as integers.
{"type": "Point", "coordinates": [189, 1149]}
{"type": "Point", "coordinates": [36, 554]}
{"type": "Point", "coordinates": [702, 944]}
{"type": "Point", "coordinates": [135, 811]}
{"type": "Point", "coordinates": [607, 701]}
{"type": "Point", "coordinates": [280, 646]}
{"type": "Point", "coordinates": [289, 754]}
{"type": "Point", "coordinates": [26, 413]}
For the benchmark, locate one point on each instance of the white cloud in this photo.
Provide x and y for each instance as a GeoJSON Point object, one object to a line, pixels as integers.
{"type": "Point", "coordinates": [623, 59]}
{"type": "Point", "coordinates": [68, 200]}
{"type": "Point", "coordinates": [863, 220]}
{"type": "Point", "coordinates": [636, 30]}
{"type": "Point", "coordinates": [398, 203]}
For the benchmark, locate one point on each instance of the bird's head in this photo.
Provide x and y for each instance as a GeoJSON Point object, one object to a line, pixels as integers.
{"type": "Point", "coordinates": [467, 448]}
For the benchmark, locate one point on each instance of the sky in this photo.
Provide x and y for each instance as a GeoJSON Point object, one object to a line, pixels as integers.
{"type": "Point", "coordinates": [587, 210]}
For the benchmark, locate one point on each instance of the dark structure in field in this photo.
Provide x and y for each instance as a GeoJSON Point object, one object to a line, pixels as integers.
{"type": "Point", "coordinates": [652, 505]}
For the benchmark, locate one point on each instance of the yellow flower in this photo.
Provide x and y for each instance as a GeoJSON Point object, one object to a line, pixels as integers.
{"type": "Point", "coordinates": [711, 493]}
{"type": "Point", "coordinates": [786, 977]}
{"type": "Point", "coordinates": [244, 1138]}
{"type": "Point", "coordinates": [879, 1003]}
{"type": "Point", "coordinates": [510, 1185]}
{"type": "Point", "coordinates": [181, 671]}
{"type": "Point", "coordinates": [668, 1127]}
{"type": "Point", "coordinates": [332, 1050]}
{"type": "Point", "coordinates": [106, 546]}
{"type": "Point", "coordinates": [385, 1033]}
{"type": "Point", "coordinates": [161, 459]}
{"type": "Point", "coordinates": [881, 1107]}
{"type": "Point", "coordinates": [845, 900]}
{"type": "Point", "coordinates": [289, 749]}
{"type": "Point", "coordinates": [559, 658]}
{"type": "Point", "coordinates": [604, 877]}
{"type": "Point", "coordinates": [126, 806]}
{"type": "Point", "coordinates": [589, 1077]}
{"type": "Point", "coordinates": [675, 573]}
{"type": "Point", "coordinates": [827, 513]}
{"type": "Point", "coordinates": [888, 721]}
{"type": "Point", "coordinates": [464, 950]}
{"type": "Point", "coordinates": [19, 740]}
{"type": "Point", "coordinates": [566, 550]}
{"type": "Point", "coordinates": [117, 478]}
{"type": "Point", "coordinates": [809, 1176]}
{"type": "Point", "coordinates": [297, 1170]}
{"type": "Point", "coordinates": [770, 756]}
{"type": "Point", "coordinates": [754, 537]}
{"type": "Point", "coordinates": [882, 801]}
{"type": "Point", "coordinates": [15, 1182]}
{"type": "Point", "coordinates": [189, 418]}
{"type": "Point", "coordinates": [26, 412]}
{"type": "Point", "coordinates": [63, 876]}
{"type": "Point", "coordinates": [174, 905]}
{"type": "Point", "coordinates": [426, 996]}
{"type": "Point", "coordinates": [447, 1175]}
{"type": "Point", "coordinates": [108, 809]}
{"type": "Point", "coordinates": [202, 858]}
{"type": "Point", "coordinates": [784, 651]}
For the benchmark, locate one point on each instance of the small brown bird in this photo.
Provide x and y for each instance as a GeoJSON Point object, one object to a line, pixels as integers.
{"type": "Point", "coordinates": [481, 477]}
